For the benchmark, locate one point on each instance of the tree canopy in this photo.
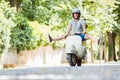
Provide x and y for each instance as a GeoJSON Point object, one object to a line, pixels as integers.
{"type": "Point", "coordinates": [17, 15]}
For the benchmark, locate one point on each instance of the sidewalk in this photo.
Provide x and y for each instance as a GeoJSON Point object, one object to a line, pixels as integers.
{"type": "Point", "coordinates": [108, 71]}
{"type": "Point", "coordinates": [96, 63]}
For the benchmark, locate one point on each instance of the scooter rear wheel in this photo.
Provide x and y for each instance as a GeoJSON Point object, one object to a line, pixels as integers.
{"type": "Point", "coordinates": [72, 59]}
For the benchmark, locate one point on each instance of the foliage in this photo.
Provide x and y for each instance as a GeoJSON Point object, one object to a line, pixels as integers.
{"type": "Point", "coordinates": [100, 15]}
{"type": "Point", "coordinates": [16, 31]}
{"type": "Point", "coordinates": [7, 18]}
{"type": "Point", "coordinates": [24, 36]}
{"type": "Point", "coordinates": [117, 11]}
{"type": "Point", "coordinates": [55, 15]}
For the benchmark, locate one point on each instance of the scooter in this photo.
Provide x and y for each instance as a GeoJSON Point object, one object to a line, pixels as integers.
{"type": "Point", "coordinates": [75, 50]}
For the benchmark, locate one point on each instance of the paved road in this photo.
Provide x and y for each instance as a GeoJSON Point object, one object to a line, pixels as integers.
{"type": "Point", "coordinates": [85, 72]}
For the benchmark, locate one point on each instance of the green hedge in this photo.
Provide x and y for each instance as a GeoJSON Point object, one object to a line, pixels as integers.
{"type": "Point", "coordinates": [16, 33]}
{"type": "Point", "coordinates": [7, 18]}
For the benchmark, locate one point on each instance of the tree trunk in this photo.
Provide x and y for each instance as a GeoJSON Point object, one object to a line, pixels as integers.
{"type": "Point", "coordinates": [105, 54]}
{"type": "Point", "coordinates": [119, 46]}
{"type": "Point", "coordinates": [101, 53]}
{"type": "Point", "coordinates": [18, 6]}
{"type": "Point", "coordinates": [12, 3]}
{"type": "Point", "coordinates": [111, 46]}
{"type": "Point", "coordinates": [92, 53]}
{"type": "Point", "coordinates": [16, 3]}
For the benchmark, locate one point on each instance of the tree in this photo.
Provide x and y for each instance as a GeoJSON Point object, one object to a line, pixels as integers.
{"type": "Point", "coordinates": [100, 16]}
{"type": "Point", "coordinates": [57, 13]}
{"type": "Point", "coordinates": [16, 32]}
{"type": "Point", "coordinates": [7, 22]}
{"type": "Point", "coordinates": [117, 11]}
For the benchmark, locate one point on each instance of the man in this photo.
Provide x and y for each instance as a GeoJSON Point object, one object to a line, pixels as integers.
{"type": "Point", "coordinates": [76, 26]}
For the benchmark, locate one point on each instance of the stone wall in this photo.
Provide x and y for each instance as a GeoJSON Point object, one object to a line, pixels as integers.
{"type": "Point", "coordinates": [38, 56]}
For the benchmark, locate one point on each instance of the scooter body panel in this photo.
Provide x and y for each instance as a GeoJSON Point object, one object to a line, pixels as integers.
{"type": "Point", "coordinates": [74, 46]}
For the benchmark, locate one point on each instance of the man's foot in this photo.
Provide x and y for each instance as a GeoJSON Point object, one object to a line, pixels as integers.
{"type": "Point", "coordinates": [101, 40]}
{"type": "Point", "coordinates": [49, 38]}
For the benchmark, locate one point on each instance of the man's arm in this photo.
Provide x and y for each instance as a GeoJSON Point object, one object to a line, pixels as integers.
{"type": "Point", "coordinates": [68, 29]}
{"type": "Point", "coordinates": [84, 27]}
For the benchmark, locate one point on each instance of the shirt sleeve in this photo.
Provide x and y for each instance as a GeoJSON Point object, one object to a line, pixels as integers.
{"type": "Point", "coordinates": [83, 23]}
{"type": "Point", "coordinates": [70, 23]}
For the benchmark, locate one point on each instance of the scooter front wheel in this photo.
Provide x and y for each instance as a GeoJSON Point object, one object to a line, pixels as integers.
{"type": "Point", "coordinates": [72, 59]}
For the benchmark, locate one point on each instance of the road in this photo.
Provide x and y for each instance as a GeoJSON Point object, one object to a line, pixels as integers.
{"type": "Point", "coordinates": [85, 72]}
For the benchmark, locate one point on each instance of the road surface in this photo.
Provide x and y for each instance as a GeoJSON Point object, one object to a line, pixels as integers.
{"type": "Point", "coordinates": [85, 72]}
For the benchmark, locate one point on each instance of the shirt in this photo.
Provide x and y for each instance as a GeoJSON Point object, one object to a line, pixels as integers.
{"type": "Point", "coordinates": [77, 27]}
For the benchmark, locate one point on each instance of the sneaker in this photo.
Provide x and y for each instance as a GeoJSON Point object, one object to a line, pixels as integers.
{"type": "Point", "coordinates": [101, 40]}
{"type": "Point", "coordinates": [49, 38]}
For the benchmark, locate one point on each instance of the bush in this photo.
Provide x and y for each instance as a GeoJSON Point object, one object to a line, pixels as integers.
{"type": "Point", "coordinates": [7, 18]}
{"type": "Point", "coordinates": [16, 33]}
{"type": "Point", "coordinates": [24, 36]}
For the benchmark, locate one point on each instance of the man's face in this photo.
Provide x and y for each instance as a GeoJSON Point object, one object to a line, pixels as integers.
{"type": "Point", "coordinates": [76, 15]}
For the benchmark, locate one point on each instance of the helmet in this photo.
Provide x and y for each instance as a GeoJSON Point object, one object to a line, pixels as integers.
{"type": "Point", "coordinates": [76, 11]}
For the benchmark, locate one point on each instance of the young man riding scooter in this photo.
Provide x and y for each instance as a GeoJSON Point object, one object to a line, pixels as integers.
{"type": "Point", "coordinates": [74, 49]}
{"type": "Point", "coordinates": [76, 26]}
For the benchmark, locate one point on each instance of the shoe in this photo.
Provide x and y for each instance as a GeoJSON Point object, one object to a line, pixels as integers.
{"type": "Point", "coordinates": [101, 40]}
{"type": "Point", "coordinates": [49, 38]}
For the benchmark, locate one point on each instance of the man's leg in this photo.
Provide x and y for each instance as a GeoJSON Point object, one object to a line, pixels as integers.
{"type": "Point", "coordinates": [100, 41]}
{"type": "Point", "coordinates": [56, 38]}
{"type": "Point", "coordinates": [89, 36]}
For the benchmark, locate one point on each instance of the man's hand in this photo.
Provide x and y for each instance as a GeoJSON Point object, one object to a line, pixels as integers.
{"type": "Point", "coordinates": [83, 32]}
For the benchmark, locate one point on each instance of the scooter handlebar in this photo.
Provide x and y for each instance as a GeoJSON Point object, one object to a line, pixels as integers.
{"type": "Point", "coordinates": [72, 34]}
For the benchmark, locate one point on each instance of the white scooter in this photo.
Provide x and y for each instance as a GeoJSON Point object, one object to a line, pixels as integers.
{"type": "Point", "coordinates": [74, 49]}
